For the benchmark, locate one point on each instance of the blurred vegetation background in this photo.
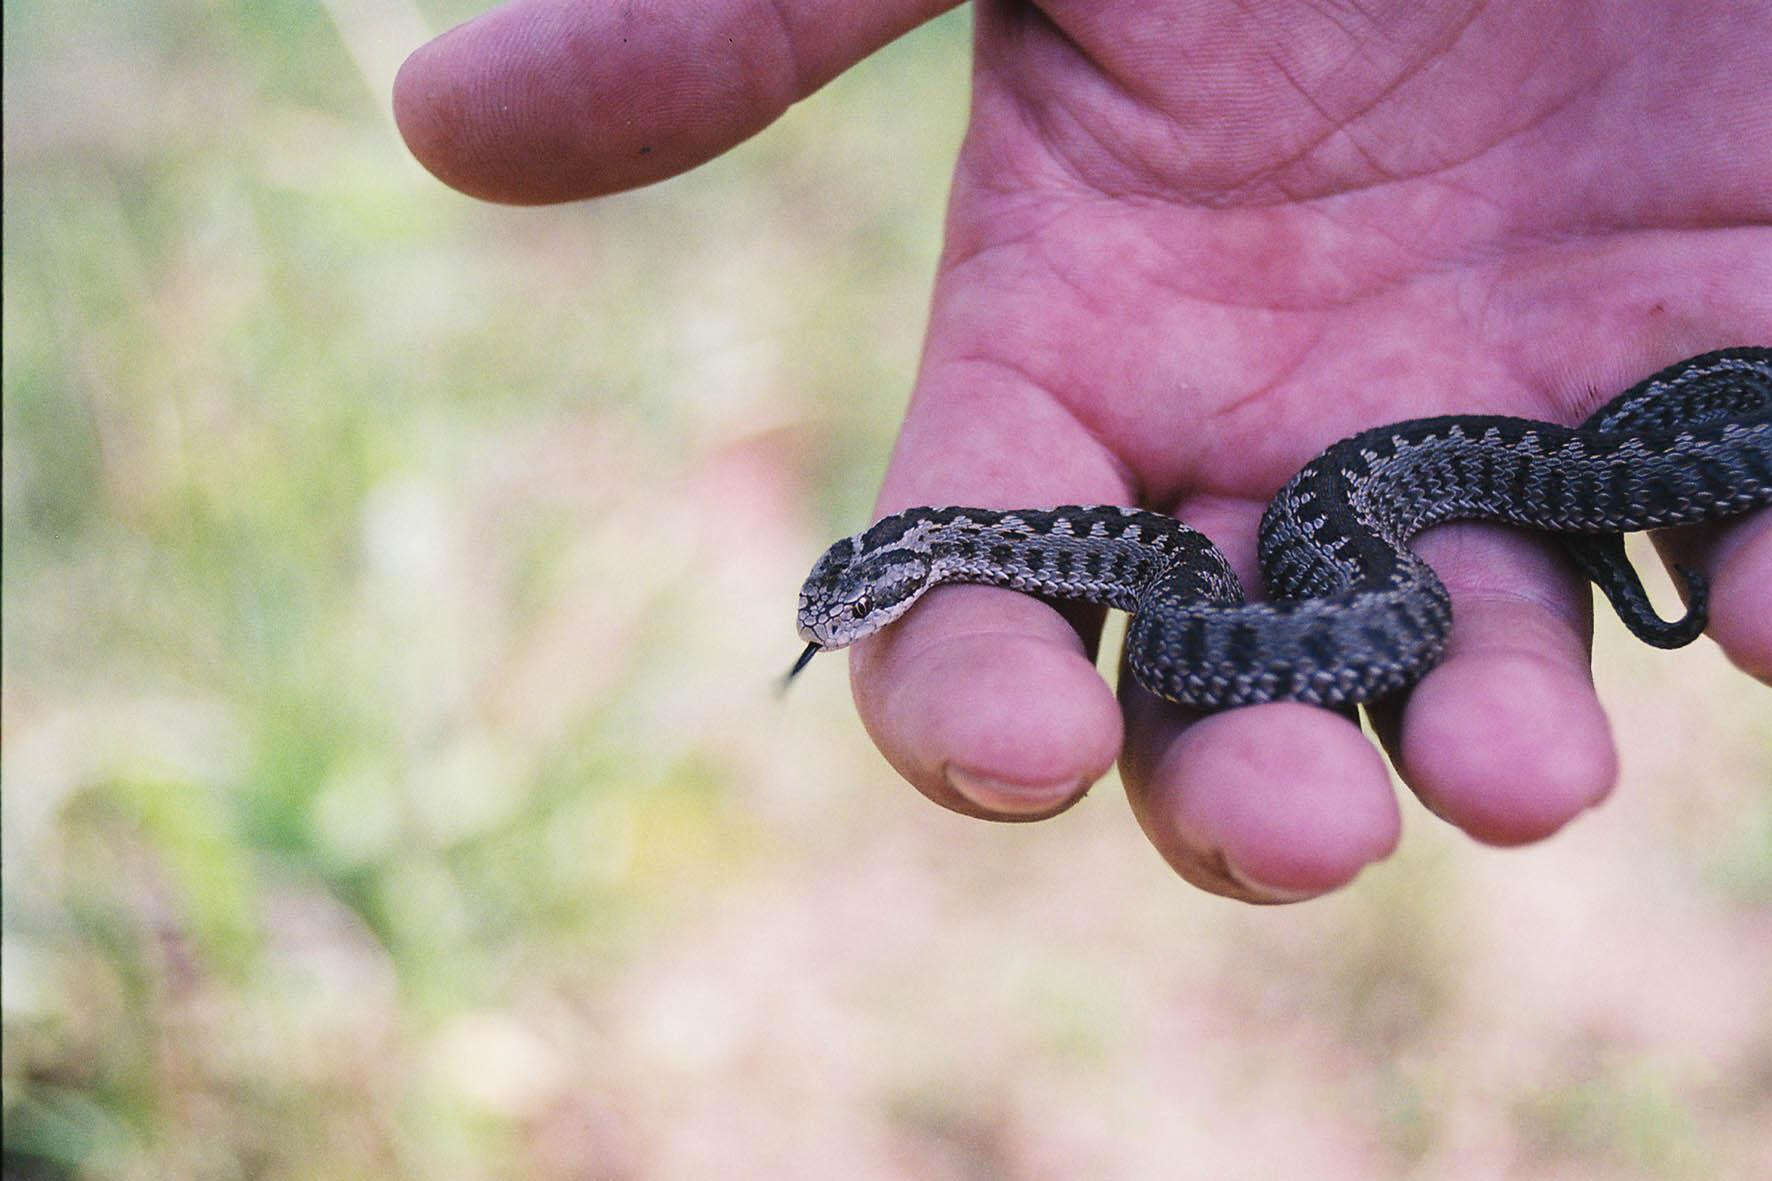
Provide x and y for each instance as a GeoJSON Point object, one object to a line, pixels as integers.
{"type": "Point", "coordinates": [394, 587]}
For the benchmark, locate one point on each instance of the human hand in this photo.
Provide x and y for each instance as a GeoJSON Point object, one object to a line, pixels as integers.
{"type": "Point", "coordinates": [1190, 244]}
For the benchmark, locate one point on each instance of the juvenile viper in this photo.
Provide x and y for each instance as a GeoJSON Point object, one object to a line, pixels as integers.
{"type": "Point", "coordinates": [1355, 614]}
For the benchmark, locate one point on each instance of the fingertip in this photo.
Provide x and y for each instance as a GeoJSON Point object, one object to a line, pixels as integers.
{"type": "Point", "coordinates": [987, 703]}
{"type": "Point", "coordinates": [1741, 595]}
{"type": "Point", "coordinates": [459, 106]}
{"type": "Point", "coordinates": [1276, 803]}
{"type": "Point", "coordinates": [541, 101]}
{"type": "Point", "coordinates": [1506, 738]}
{"type": "Point", "coordinates": [1507, 745]}
{"type": "Point", "coordinates": [411, 98]}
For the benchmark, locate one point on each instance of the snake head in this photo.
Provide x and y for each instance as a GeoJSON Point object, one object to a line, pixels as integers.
{"type": "Point", "coordinates": [859, 586]}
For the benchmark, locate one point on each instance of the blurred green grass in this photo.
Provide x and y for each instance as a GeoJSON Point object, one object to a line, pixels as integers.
{"type": "Point", "coordinates": [393, 587]}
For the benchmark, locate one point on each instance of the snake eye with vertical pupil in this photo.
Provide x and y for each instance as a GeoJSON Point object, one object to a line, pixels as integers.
{"type": "Point", "coordinates": [861, 607]}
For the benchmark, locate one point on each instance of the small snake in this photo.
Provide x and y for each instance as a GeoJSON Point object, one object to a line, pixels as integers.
{"type": "Point", "coordinates": [1354, 614]}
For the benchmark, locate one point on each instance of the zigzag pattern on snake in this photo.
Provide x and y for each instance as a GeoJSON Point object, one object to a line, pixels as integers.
{"type": "Point", "coordinates": [1354, 614]}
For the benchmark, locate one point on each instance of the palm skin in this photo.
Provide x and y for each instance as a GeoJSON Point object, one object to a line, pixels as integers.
{"type": "Point", "coordinates": [1189, 245]}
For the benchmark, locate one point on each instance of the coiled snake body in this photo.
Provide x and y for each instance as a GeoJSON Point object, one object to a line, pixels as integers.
{"type": "Point", "coordinates": [1354, 613]}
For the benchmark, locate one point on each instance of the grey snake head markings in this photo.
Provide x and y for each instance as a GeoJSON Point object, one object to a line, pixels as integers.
{"type": "Point", "coordinates": [1354, 614]}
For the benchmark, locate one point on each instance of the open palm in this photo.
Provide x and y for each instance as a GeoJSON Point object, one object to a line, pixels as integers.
{"type": "Point", "coordinates": [1190, 244]}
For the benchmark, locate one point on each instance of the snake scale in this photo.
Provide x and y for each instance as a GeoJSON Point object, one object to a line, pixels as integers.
{"type": "Point", "coordinates": [1354, 614]}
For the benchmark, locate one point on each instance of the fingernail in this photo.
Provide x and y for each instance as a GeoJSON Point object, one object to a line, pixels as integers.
{"type": "Point", "coordinates": [1261, 891]}
{"type": "Point", "coordinates": [1000, 795]}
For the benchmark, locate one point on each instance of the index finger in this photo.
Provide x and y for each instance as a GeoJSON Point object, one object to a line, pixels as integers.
{"type": "Point", "coordinates": [986, 700]}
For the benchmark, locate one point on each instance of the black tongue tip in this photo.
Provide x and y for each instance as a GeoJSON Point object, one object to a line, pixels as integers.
{"type": "Point", "coordinates": [805, 659]}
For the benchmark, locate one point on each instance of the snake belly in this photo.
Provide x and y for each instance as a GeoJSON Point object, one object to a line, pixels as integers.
{"type": "Point", "coordinates": [1354, 613]}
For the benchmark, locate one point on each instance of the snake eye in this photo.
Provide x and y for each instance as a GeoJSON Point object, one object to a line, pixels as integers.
{"type": "Point", "coordinates": [860, 608]}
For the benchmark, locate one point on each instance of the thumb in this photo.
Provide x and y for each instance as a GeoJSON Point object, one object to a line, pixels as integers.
{"type": "Point", "coordinates": [552, 100]}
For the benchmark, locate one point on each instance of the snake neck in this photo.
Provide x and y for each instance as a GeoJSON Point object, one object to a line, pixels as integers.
{"type": "Point", "coordinates": [1101, 554]}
